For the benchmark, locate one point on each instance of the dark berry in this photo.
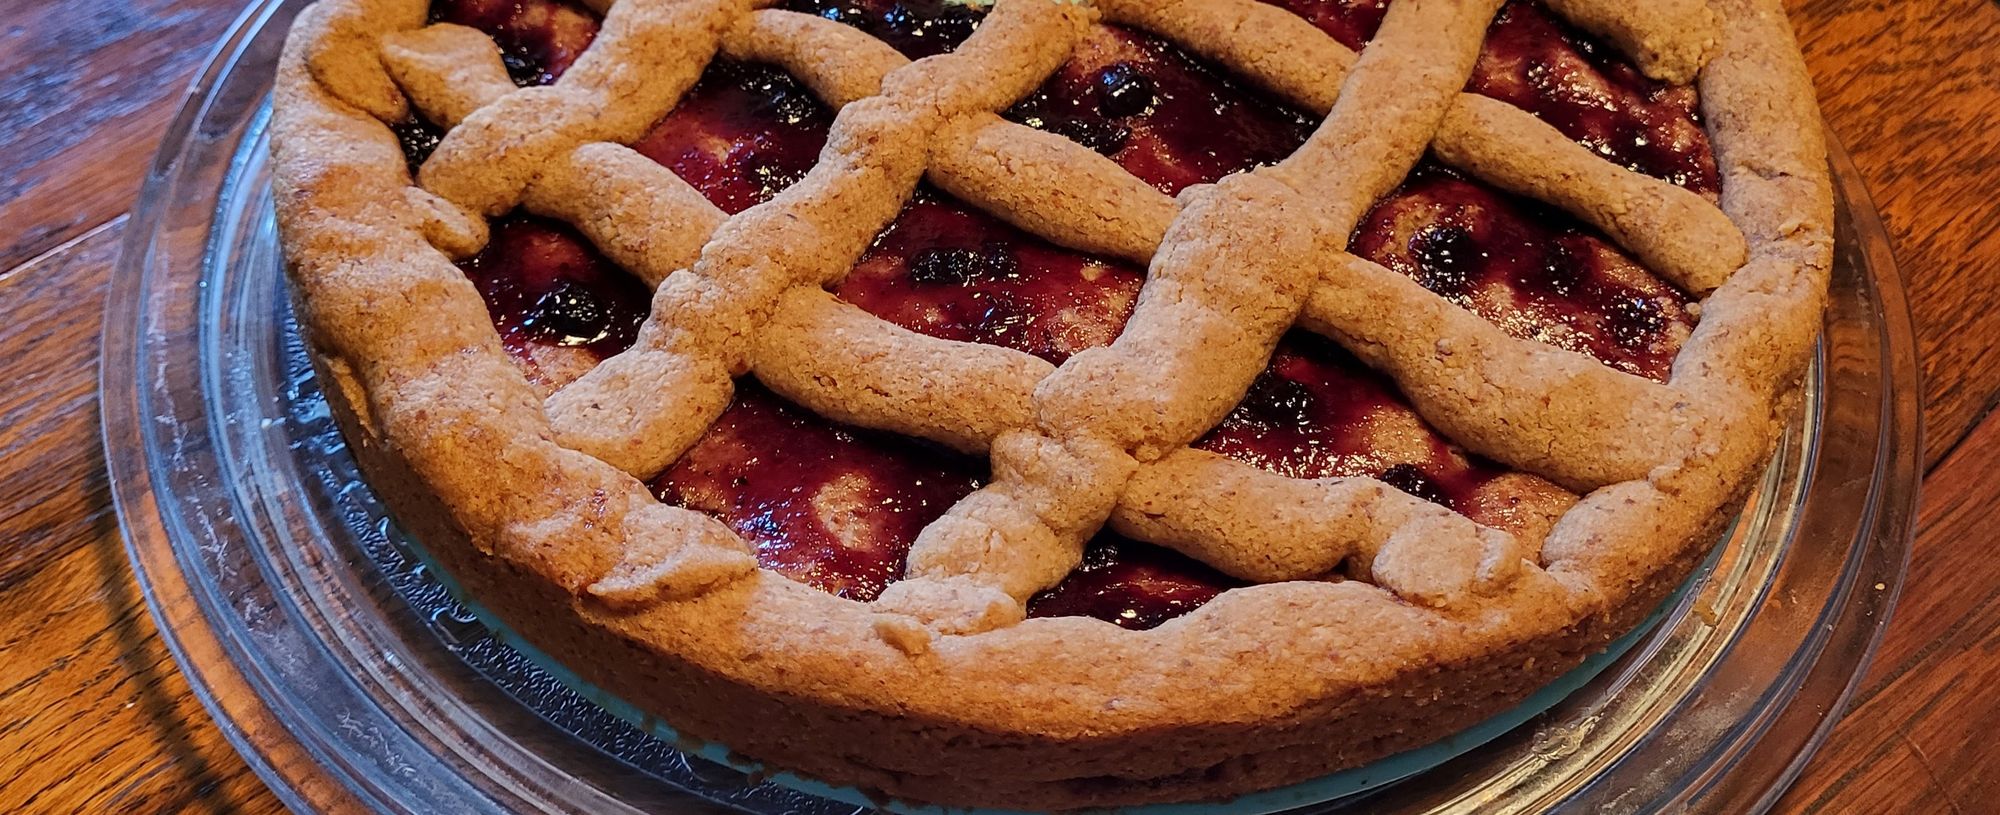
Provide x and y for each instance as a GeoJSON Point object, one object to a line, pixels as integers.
{"type": "Point", "coordinates": [1408, 478]}
{"type": "Point", "coordinates": [1280, 402]}
{"type": "Point", "coordinates": [1123, 91]}
{"type": "Point", "coordinates": [569, 314]}
{"type": "Point", "coordinates": [524, 70]}
{"type": "Point", "coordinates": [1447, 258]}
{"type": "Point", "coordinates": [419, 138]}
{"type": "Point", "coordinates": [947, 265]}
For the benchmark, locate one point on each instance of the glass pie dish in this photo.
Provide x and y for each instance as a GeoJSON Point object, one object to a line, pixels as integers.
{"type": "Point", "coordinates": [344, 669]}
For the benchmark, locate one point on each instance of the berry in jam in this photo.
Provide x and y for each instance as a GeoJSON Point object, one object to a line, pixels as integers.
{"type": "Point", "coordinates": [1167, 118]}
{"type": "Point", "coordinates": [1317, 412]}
{"type": "Point", "coordinates": [918, 28]}
{"type": "Point", "coordinates": [950, 271]}
{"type": "Point", "coordinates": [1135, 585]}
{"type": "Point", "coordinates": [831, 506]}
{"type": "Point", "coordinates": [538, 39]}
{"type": "Point", "coordinates": [544, 284]}
{"type": "Point", "coordinates": [741, 135]}
{"type": "Point", "coordinates": [1535, 272]}
{"type": "Point", "coordinates": [418, 138]}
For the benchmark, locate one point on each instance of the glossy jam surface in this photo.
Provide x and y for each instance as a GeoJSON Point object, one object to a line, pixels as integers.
{"type": "Point", "coordinates": [539, 39]}
{"type": "Point", "coordinates": [1352, 22]}
{"type": "Point", "coordinates": [918, 28]}
{"type": "Point", "coordinates": [830, 506]}
{"type": "Point", "coordinates": [545, 285]}
{"type": "Point", "coordinates": [741, 135]}
{"type": "Point", "coordinates": [1535, 272]}
{"type": "Point", "coordinates": [1317, 412]}
{"type": "Point", "coordinates": [1162, 115]}
{"type": "Point", "coordinates": [950, 271]}
{"type": "Point", "coordinates": [1136, 585]}
{"type": "Point", "coordinates": [1591, 93]}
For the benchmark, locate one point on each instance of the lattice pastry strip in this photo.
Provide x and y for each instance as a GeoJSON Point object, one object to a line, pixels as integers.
{"type": "Point", "coordinates": [779, 20]}
{"type": "Point", "coordinates": [1305, 564]}
{"type": "Point", "coordinates": [647, 219]}
{"type": "Point", "coordinates": [812, 36]}
{"type": "Point", "coordinates": [982, 171]}
{"type": "Point", "coordinates": [608, 526]}
{"type": "Point", "coordinates": [827, 219]}
{"type": "Point", "coordinates": [1669, 228]}
{"type": "Point", "coordinates": [1495, 141]}
{"type": "Point", "coordinates": [1197, 337]}
{"type": "Point", "coordinates": [584, 180]}
{"type": "Point", "coordinates": [1682, 213]}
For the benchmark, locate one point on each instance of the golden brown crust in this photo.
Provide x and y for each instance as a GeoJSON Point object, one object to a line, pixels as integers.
{"type": "Point", "coordinates": [941, 691]}
{"type": "Point", "coordinates": [1670, 39]}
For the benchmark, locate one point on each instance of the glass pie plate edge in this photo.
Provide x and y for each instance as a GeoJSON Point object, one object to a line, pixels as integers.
{"type": "Point", "coordinates": [343, 670]}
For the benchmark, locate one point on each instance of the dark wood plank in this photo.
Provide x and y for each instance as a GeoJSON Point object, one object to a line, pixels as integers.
{"type": "Point", "coordinates": [52, 481]}
{"type": "Point", "coordinates": [1910, 89]}
{"type": "Point", "coordinates": [94, 715]}
{"type": "Point", "coordinates": [1919, 736]}
{"type": "Point", "coordinates": [89, 85]}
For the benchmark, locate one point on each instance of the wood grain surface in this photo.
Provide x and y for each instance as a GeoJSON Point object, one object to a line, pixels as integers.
{"type": "Point", "coordinates": [94, 717]}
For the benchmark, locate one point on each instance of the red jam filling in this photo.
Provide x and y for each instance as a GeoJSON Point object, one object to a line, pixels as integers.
{"type": "Point", "coordinates": [1352, 22]}
{"type": "Point", "coordinates": [831, 506]}
{"type": "Point", "coordinates": [950, 271]}
{"type": "Point", "coordinates": [1317, 412]}
{"type": "Point", "coordinates": [741, 135]}
{"type": "Point", "coordinates": [1533, 271]}
{"type": "Point", "coordinates": [1583, 87]}
{"type": "Point", "coordinates": [539, 39]}
{"type": "Point", "coordinates": [544, 284]}
{"type": "Point", "coordinates": [1587, 90]}
{"type": "Point", "coordinates": [918, 28]}
{"type": "Point", "coordinates": [1136, 585]}
{"type": "Point", "coordinates": [1167, 118]}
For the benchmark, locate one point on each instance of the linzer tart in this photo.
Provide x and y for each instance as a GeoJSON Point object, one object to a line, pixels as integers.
{"type": "Point", "coordinates": [1055, 404]}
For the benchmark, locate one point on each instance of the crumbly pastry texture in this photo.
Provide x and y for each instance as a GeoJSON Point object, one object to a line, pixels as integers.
{"type": "Point", "coordinates": [942, 690]}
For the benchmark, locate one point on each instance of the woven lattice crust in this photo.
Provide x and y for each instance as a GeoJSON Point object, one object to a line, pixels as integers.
{"type": "Point", "coordinates": [940, 690]}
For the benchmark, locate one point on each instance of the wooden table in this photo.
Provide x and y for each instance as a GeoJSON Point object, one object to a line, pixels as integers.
{"type": "Point", "coordinates": [94, 717]}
